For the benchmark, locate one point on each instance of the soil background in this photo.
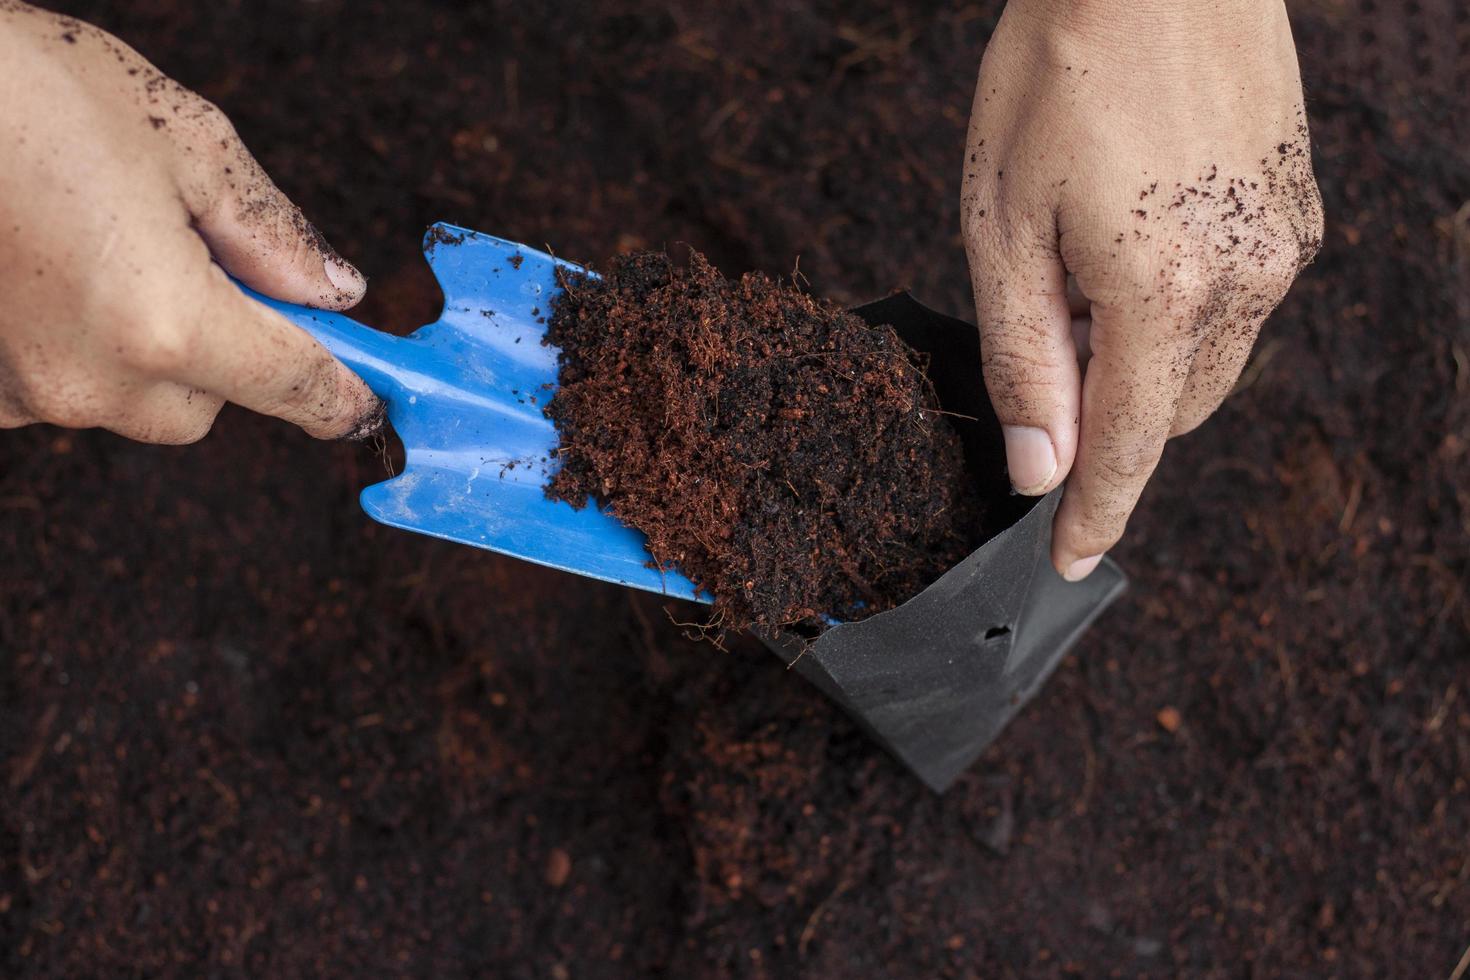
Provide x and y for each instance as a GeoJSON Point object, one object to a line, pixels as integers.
{"type": "Point", "coordinates": [245, 731]}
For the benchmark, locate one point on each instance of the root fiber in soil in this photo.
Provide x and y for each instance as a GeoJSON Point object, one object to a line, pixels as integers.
{"type": "Point", "coordinates": [785, 455]}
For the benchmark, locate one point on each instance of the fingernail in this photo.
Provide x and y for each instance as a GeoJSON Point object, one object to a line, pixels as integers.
{"type": "Point", "coordinates": [344, 277]}
{"type": "Point", "coordinates": [1081, 568]}
{"type": "Point", "coordinates": [1030, 458]}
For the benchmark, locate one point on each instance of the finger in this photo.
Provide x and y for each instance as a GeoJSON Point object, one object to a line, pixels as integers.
{"type": "Point", "coordinates": [168, 414]}
{"type": "Point", "coordinates": [1229, 325]}
{"type": "Point", "coordinates": [253, 229]}
{"type": "Point", "coordinates": [247, 354]}
{"type": "Point", "coordinates": [1027, 352]}
{"type": "Point", "coordinates": [1139, 365]}
{"type": "Point", "coordinates": [1212, 378]}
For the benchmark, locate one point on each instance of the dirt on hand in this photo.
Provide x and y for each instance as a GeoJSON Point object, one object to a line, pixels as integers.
{"type": "Point", "coordinates": [785, 455]}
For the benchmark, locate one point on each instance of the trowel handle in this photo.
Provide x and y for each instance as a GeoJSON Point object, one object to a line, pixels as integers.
{"type": "Point", "coordinates": [376, 357]}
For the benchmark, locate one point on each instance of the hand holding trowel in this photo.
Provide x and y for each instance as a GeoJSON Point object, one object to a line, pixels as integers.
{"type": "Point", "coordinates": [934, 679]}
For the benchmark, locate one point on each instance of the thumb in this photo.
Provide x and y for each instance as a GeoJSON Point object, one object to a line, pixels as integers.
{"type": "Point", "coordinates": [259, 236]}
{"type": "Point", "coordinates": [1029, 358]}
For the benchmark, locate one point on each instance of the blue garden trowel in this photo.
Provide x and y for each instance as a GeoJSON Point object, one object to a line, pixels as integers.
{"type": "Point", "coordinates": [934, 680]}
{"type": "Point", "coordinates": [465, 394]}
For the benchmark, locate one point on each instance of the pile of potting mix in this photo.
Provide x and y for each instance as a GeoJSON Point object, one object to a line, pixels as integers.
{"type": "Point", "coordinates": [786, 456]}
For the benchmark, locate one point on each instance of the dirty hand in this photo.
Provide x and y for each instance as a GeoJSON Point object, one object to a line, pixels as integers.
{"type": "Point", "coordinates": [119, 193]}
{"type": "Point", "coordinates": [1138, 196]}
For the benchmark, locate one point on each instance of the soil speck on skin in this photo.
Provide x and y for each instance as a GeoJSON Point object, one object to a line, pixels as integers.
{"type": "Point", "coordinates": [782, 453]}
{"type": "Point", "coordinates": [370, 425]}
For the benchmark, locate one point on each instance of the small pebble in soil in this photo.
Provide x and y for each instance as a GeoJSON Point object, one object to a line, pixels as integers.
{"type": "Point", "coordinates": [558, 867]}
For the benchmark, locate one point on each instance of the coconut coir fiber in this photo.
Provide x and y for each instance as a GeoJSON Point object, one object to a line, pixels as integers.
{"type": "Point", "coordinates": [786, 456]}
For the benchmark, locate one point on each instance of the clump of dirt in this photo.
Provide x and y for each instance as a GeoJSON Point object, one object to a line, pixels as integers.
{"type": "Point", "coordinates": [785, 455]}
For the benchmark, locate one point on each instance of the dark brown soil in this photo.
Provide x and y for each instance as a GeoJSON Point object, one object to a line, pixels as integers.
{"type": "Point", "coordinates": [244, 731]}
{"type": "Point", "coordinates": [786, 456]}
